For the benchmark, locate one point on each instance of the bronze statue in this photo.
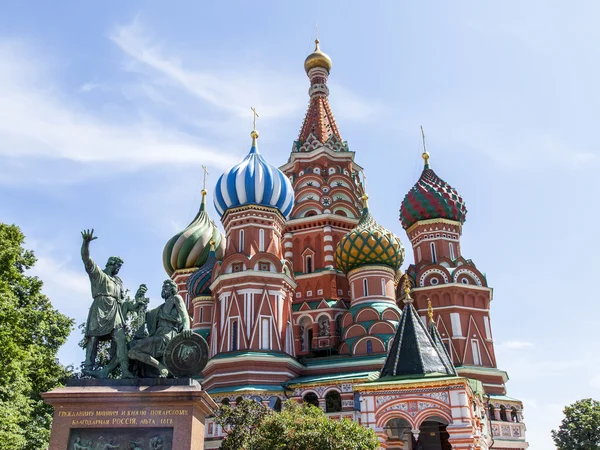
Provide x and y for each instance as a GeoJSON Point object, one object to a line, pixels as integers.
{"type": "Point", "coordinates": [106, 318]}
{"type": "Point", "coordinates": [163, 323]}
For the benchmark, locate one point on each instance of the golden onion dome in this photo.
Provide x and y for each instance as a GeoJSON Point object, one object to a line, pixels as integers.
{"type": "Point", "coordinates": [369, 244]}
{"type": "Point", "coordinates": [317, 59]}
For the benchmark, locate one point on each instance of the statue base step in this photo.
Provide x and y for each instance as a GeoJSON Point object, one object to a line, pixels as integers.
{"type": "Point", "coordinates": [135, 414]}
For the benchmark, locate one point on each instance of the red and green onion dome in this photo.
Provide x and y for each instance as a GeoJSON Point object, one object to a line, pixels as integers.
{"type": "Point", "coordinates": [369, 244]}
{"type": "Point", "coordinates": [431, 198]}
{"type": "Point", "coordinates": [190, 248]}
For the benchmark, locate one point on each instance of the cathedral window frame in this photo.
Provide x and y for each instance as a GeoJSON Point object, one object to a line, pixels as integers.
{"type": "Point", "coordinates": [433, 252]}
{"type": "Point", "coordinates": [476, 351]}
{"type": "Point", "coordinates": [365, 287]}
{"type": "Point", "coordinates": [241, 241]}
{"type": "Point", "coordinates": [261, 240]}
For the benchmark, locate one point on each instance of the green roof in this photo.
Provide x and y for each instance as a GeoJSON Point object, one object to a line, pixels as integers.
{"type": "Point", "coordinates": [407, 379]}
{"type": "Point", "coordinates": [330, 377]}
{"type": "Point", "coordinates": [246, 388]}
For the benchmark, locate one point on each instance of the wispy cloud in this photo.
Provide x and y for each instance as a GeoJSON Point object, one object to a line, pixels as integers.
{"type": "Point", "coordinates": [38, 121]}
{"type": "Point", "coordinates": [516, 345]}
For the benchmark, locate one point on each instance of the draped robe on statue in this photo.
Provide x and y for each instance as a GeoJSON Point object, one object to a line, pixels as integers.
{"type": "Point", "coordinates": [105, 313]}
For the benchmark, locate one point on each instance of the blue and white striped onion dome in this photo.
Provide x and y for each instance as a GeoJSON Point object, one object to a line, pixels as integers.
{"type": "Point", "coordinates": [254, 181]}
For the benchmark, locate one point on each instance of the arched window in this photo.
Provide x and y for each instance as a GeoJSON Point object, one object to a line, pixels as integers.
{"type": "Point", "coordinates": [310, 213]}
{"type": "Point", "coordinates": [333, 402]}
{"type": "Point", "coordinates": [382, 286]}
{"type": "Point", "coordinates": [492, 412]}
{"type": "Point", "coordinates": [513, 414]}
{"type": "Point", "coordinates": [238, 400]}
{"type": "Point", "coordinates": [225, 401]}
{"type": "Point", "coordinates": [503, 413]}
{"type": "Point", "coordinates": [234, 336]}
{"type": "Point", "coordinates": [309, 264]}
{"type": "Point", "coordinates": [369, 347]}
{"type": "Point", "coordinates": [418, 254]}
{"type": "Point", "coordinates": [241, 247]}
{"type": "Point", "coordinates": [256, 398]}
{"type": "Point", "coordinates": [365, 287]}
{"type": "Point", "coordinates": [433, 254]}
{"type": "Point", "coordinates": [451, 246]}
{"type": "Point", "coordinates": [311, 399]}
{"type": "Point", "coordinates": [261, 240]}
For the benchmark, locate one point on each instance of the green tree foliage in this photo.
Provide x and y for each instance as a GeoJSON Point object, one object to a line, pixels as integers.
{"type": "Point", "coordinates": [31, 332]}
{"type": "Point", "coordinates": [252, 426]}
{"type": "Point", "coordinates": [580, 429]}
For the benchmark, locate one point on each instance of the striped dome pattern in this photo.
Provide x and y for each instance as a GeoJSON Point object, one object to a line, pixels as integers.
{"type": "Point", "coordinates": [431, 198]}
{"type": "Point", "coordinates": [369, 244]}
{"type": "Point", "coordinates": [254, 181]}
{"type": "Point", "coordinates": [190, 248]}
{"type": "Point", "coordinates": [198, 284]}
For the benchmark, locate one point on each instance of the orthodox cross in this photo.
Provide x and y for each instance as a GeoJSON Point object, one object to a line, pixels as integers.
{"type": "Point", "coordinates": [255, 115]}
{"type": "Point", "coordinates": [205, 173]}
{"type": "Point", "coordinates": [423, 135]}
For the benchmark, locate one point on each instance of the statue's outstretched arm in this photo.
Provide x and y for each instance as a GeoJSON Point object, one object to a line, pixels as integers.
{"type": "Point", "coordinates": [88, 236]}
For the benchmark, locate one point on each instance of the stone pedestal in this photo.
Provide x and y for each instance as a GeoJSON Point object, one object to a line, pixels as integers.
{"type": "Point", "coordinates": [139, 414]}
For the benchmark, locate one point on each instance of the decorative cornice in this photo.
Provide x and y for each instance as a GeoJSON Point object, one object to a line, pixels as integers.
{"type": "Point", "coordinates": [374, 267]}
{"type": "Point", "coordinates": [427, 383]}
{"type": "Point", "coordinates": [434, 221]}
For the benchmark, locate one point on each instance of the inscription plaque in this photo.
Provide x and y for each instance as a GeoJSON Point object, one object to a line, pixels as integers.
{"type": "Point", "coordinates": [121, 438]}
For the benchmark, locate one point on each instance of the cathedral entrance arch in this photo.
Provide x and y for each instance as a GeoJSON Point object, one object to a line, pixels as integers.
{"type": "Point", "coordinates": [398, 432]}
{"type": "Point", "coordinates": [433, 434]}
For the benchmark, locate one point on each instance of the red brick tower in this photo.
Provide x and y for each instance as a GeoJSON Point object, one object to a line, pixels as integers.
{"type": "Point", "coordinates": [327, 188]}
{"type": "Point", "coordinates": [433, 213]}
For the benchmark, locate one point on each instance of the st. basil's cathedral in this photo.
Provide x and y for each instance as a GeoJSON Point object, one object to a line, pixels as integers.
{"type": "Point", "coordinates": [304, 297]}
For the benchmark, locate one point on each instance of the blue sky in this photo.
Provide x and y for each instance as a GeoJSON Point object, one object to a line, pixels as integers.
{"type": "Point", "coordinates": [109, 110]}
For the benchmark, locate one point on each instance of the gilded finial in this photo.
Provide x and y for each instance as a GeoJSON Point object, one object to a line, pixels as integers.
{"type": "Point", "coordinates": [254, 133]}
{"type": "Point", "coordinates": [429, 310]}
{"type": "Point", "coordinates": [365, 196]}
{"type": "Point", "coordinates": [425, 154]}
{"type": "Point", "coordinates": [212, 245]}
{"type": "Point", "coordinates": [407, 297]}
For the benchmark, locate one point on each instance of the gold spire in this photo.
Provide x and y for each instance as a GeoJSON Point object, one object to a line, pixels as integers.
{"type": "Point", "coordinates": [254, 133]}
{"type": "Point", "coordinates": [212, 245]}
{"type": "Point", "coordinates": [429, 310]}
{"type": "Point", "coordinates": [425, 154]}
{"type": "Point", "coordinates": [407, 297]}
{"type": "Point", "coordinates": [317, 59]}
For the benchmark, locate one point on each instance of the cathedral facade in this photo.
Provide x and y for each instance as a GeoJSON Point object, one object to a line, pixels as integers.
{"type": "Point", "coordinates": [303, 297]}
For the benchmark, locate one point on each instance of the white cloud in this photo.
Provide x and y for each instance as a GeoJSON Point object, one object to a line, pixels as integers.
{"type": "Point", "coordinates": [37, 121]}
{"type": "Point", "coordinates": [516, 345]}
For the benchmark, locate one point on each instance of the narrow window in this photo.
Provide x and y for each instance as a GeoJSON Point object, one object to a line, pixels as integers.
{"type": "Point", "coordinates": [265, 334]}
{"type": "Point", "coordinates": [382, 286]}
{"type": "Point", "coordinates": [241, 247]}
{"type": "Point", "coordinates": [201, 315]}
{"type": "Point", "coordinates": [514, 416]}
{"type": "Point", "coordinates": [476, 352]}
{"type": "Point", "coordinates": [492, 412]}
{"type": "Point", "coordinates": [234, 336]}
{"type": "Point", "coordinates": [369, 347]}
{"type": "Point", "coordinates": [433, 255]}
{"type": "Point", "coordinates": [310, 338]}
{"type": "Point", "coordinates": [503, 413]}
{"type": "Point", "coordinates": [261, 240]}
{"type": "Point", "coordinates": [353, 295]}
{"type": "Point", "coordinates": [418, 254]}
{"type": "Point", "coordinates": [309, 266]}
{"type": "Point", "coordinates": [365, 287]}
{"type": "Point", "coordinates": [455, 321]}
{"type": "Point", "coordinates": [451, 250]}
